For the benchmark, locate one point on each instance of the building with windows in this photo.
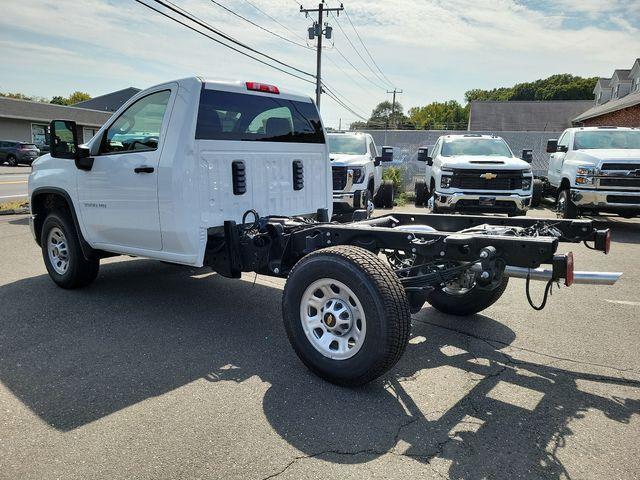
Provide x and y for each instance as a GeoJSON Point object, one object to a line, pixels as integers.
{"type": "Point", "coordinates": [109, 102]}
{"type": "Point", "coordinates": [26, 121]}
{"type": "Point", "coordinates": [617, 100]}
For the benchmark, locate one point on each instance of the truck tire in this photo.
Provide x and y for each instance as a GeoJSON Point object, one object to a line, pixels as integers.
{"type": "Point", "coordinates": [62, 253]}
{"type": "Point", "coordinates": [536, 192]}
{"type": "Point", "coordinates": [565, 207]}
{"type": "Point", "coordinates": [472, 301]}
{"type": "Point", "coordinates": [421, 193]}
{"type": "Point", "coordinates": [346, 315]}
{"type": "Point", "coordinates": [387, 193]}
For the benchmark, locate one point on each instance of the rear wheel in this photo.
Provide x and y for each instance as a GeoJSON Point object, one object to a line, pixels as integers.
{"type": "Point", "coordinates": [62, 253]}
{"type": "Point", "coordinates": [387, 193]}
{"type": "Point", "coordinates": [346, 314]}
{"type": "Point", "coordinates": [421, 193]}
{"type": "Point", "coordinates": [565, 207]}
{"type": "Point", "coordinates": [457, 299]}
{"type": "Point", "coordinates": [536, 193]}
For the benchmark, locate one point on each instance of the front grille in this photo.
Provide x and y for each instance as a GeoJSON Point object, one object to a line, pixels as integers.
{"type": "Point", "coordinates": [631, 182]}
{"type": "Point", "coordinates": [620, 166]}
{"type": "Point", "coordinates": [472, 180]}
{"type": "Point", "coordinates": [499, 206]}
{"type": "Point", "coordinates": [339, 177]}
{"type": "Point", "coordinates": [629, 199]}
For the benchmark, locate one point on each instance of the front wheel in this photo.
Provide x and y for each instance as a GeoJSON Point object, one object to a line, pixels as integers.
{"type": "Point", "coordinates": [346, 315]}
{"type": "Point", "coordinates": [458, 300]}
{"type": "Point", "coordinates": [420, 189]}
{"type": "Point", "coordinates": [12, 161]}
{"type": "Point", "coordinates": [565, 207]}
{"type": "Point", "coordinates": [62, 253]}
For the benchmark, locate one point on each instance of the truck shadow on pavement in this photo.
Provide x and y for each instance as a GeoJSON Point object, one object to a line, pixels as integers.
{"type": "Point", "coordinates": [144, 329]}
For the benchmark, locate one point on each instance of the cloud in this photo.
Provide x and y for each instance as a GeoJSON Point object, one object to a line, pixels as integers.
{"type": "Point", "coordinates": [432, 49]}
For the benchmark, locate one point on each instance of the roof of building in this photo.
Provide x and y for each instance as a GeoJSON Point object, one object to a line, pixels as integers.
{"type": "Point", "coordinates": [611, 106]}
{"type": "Point", "coordinates": [602, 83]}
{"type": "Point", "coordinates": [622, 75]}
{"type": "Point", "coordinates": [535, 116]}
{"type": "Point", "coordinates": [45, 112]}
{"type": "Point", "coordinates": [635, 70]}
{"type": "Point", "coordinates": [109, 102]}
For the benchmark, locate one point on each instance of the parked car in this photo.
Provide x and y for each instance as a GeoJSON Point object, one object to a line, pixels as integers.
{"type": "Point", "coordinates": [475, 173]}
{"type": "Point", "coordinates": [236, 176]}
{"type": "Point", "coordinates": [593, 170]}
{"type": "Point", "coordinates": [15, 153]}
{"type": "Point", "coordinates": [356, 171]}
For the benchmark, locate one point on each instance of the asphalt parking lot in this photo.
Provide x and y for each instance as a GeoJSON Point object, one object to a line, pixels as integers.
{"type": "Point", "coordinates": [157, 371]}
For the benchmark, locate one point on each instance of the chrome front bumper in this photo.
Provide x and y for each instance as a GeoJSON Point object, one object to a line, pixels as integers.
{"type": "Point", "coordinates": [345, 199]}
{"type": "Point", "coordinates": [471, 201]}
{"type": "Point", "coordinates": [606, 199]}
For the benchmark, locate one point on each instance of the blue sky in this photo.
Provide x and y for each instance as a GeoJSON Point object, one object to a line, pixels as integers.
{"type": "Point", "coordinates": [433, 50]}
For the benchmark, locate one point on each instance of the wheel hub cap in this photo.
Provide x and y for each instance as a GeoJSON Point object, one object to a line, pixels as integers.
{"type": "Point", "coordinates": [333, 319]}
{"type": "Point", "coordinates": [58, 250]}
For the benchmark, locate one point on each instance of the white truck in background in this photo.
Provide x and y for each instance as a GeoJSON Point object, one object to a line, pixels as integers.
{"type": "Point", "coordinates": [474, 173]}
{"type": "Point", "coordinates": [357, 173]}
{"type": "Point", "coordinates": [594, 170]}
{"type": "Point", "coordinates": [180, 173]}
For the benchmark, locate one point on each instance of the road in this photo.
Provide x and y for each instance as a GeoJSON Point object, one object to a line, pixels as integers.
{"type": "Point", "coordinates": [13, 182]}
{"type": "Point", "coordinates": [158, 371]}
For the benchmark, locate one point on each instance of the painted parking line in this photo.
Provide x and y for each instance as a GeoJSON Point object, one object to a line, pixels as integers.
{"type": "Point", "coordinates": [14, 183]}
{"type": "Point", "coordinates": [623, 302]}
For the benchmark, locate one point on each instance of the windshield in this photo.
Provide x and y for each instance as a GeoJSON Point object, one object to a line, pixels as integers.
{"type": "Point", "coordinates": [588, 140]}
{"type": "Point", "coordinates": [494, 147]}
{"type": "Point", "coordinates": [348, 144]}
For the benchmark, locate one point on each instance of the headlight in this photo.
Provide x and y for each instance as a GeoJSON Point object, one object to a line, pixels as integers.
{"type": "Point", "coordinates": [358, 175]}
{"type": "Point", "coordinates": [526, 183]}
{"type": "Point", "coordinates": [586, 171]}
{"type": "Point", "coordinates": [445, 181]}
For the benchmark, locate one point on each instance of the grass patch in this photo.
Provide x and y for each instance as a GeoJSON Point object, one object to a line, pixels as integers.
{"type": "Point", "coordinates": [403, 198]}
{"type": "Point", "coordinates": [14, 205]}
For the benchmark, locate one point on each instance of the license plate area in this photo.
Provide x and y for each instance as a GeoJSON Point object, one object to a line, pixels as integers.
{"type": "Point", "coordinates": [487, 201]}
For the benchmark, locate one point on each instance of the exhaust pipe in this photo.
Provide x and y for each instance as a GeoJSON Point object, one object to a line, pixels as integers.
{"type": "Point", "coordinates": [544, 275]}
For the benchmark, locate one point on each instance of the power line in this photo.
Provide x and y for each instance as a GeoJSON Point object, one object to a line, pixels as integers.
{"type": "Point", "coordinates": [365, 48]}
{"type": "Point", "coordinates": [180, 11]}
{"type": "Point", "coordinates": [358, 53]}
{"type": "Point", "coordinates": [381, 87]}
{"type": "Point", "coordinates": [275, 19]}
{"type": "Point", "coordinates": [190, 27]}
{"type": "Point", "coordinates": [260, 26]}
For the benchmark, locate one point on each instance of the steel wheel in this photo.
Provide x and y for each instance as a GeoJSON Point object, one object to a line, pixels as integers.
{"type": "Point", "coordinates": [333, 319]}
{"type": "Point", "coordinates": [58, 250]}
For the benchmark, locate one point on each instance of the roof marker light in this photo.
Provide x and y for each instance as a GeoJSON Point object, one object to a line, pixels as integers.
{"type": "Point", "coordinates": [262, 87]}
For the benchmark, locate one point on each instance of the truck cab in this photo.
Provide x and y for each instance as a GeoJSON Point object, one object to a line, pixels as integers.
{"type": "Point", "coordinates": [356, 170]}
{"type": "Point", "coordinates": [595, 169]}
{"type": "Point", "coordinates": [474, 173]}
{"type": "Point", "coordinates": [179, 159]}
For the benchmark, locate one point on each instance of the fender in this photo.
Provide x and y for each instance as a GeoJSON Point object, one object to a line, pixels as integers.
{"type": "Point", "coordinates": [87, 251]}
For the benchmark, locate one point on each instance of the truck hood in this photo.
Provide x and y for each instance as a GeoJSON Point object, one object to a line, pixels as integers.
{"type": "Point", "coordinates": [342, 160]}
{"type": "Point", "coordinates": [490, 161]}
{"type": "Point", "coordinates": [597, 155]}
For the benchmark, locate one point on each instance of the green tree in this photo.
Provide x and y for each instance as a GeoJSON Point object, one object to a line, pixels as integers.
{"type": "Point", "coordinates": [385, 115]}
{"type": "Point", "coordinates": [77, 96]}
{"type": "Point", "coordinates": [58, 100]}
{"type": "Point", "coordinates": [440, 115]}
{"type": "Point", "coordinates": [562, 86]}
{"type": "Point", "coordinates": [16, 95]}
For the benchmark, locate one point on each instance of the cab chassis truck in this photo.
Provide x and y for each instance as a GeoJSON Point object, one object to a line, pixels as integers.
{"type": "Point", "coordinates": [181, 188]}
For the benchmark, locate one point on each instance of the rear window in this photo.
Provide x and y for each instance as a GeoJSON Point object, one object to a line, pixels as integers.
{"type": "Point", "coordinates": [30, 146]}
{"type": "Point", "coordinates": [493, 147]}
{"type": "Point", "coordinates": [244, 117]}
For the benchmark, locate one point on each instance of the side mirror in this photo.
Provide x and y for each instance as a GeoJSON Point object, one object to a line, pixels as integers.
{"type": "Point", "coordinates": [527, 155]}
{"type": "Point", "coordinates": [387, 154]}
{"type": "Point", "coordinates": [64, 139]}
{"type": "Point", "coordinates": [423, 156]}
{"type": "Point", "coordinates": [552, 145]}
{"type": "Point", "coordinates": [376, 162]}
{"type": "Point", "coordinates": [64, 144]}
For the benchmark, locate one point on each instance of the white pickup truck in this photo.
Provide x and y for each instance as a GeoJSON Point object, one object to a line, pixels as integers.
{"type": "Point", "coordinates": [357, 172]}
{"type": "Point", "coordinates": [179, 174]}
{"type": "Point", "coordinates": [595, 169]}
{"type": "Point", "coordinates": [475, 173]}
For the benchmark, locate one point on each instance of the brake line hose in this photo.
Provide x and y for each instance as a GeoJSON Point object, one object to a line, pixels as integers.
{"type": "Point", "coordinates": [548, 290]}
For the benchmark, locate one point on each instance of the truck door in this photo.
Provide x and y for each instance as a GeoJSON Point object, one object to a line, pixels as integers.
{"type": "Point", "coordinates": [377, 172]}
{"type": "Point", "coordinates": [556, 160]}
{"type": "Point", "coordinates": [119, 195]}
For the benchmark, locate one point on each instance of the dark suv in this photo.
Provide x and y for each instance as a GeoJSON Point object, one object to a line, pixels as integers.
{"type": "Point", "coordinates": [14, 153]}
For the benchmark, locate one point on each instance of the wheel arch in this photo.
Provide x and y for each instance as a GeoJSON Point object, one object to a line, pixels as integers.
{"type": "Point", "coordinates": [48, 199]}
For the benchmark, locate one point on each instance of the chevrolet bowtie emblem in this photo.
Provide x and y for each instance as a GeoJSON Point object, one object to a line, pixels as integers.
{"type": "Point", "coordinates": [488, 176]}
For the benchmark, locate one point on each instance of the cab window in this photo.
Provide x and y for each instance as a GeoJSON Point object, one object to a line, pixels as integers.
{"type": "Point", "coordinates": [138, 127]}
{"type": "Point", "coordinates": [564, 140]}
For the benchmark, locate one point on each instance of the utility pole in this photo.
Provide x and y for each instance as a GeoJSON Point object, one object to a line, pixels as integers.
{"type": "Point", "coordinates": [317, 30]}
{"type": "Point", "coordinates": [393, 104]}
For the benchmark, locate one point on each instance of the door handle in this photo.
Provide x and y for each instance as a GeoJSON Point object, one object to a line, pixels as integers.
{"type": "Point", "coordinates": [143, 169]}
